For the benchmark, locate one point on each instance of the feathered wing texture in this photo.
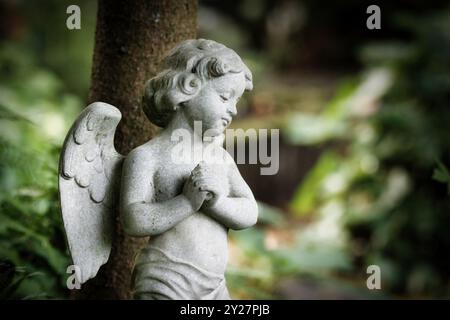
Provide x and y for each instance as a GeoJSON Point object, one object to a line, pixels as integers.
{"type": "Point", "coordinates": [89, 186]}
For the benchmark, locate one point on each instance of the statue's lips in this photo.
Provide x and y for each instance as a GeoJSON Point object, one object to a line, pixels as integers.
{"type": "Point", "coordinates": [226, 121]}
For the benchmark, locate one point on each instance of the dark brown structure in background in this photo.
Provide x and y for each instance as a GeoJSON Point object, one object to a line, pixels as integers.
{"type": "Point", "coordinates": [130, 42]}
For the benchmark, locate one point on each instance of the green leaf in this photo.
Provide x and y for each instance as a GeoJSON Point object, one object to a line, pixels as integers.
{"type": "Point", "coordinates": [442, 174]}
{"type": "Point", "coordinates": [308, 193]}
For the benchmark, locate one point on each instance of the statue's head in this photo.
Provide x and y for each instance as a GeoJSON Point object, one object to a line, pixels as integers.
{"type": "Point", "coordinates": [203, 79]}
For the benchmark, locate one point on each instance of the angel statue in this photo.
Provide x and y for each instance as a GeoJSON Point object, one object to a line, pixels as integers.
{"type": "Point", "coordinates": [187, 207]}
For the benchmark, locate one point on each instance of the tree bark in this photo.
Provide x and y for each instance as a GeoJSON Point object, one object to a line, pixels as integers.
{"type": "Point", "coordinates": [131, 39]}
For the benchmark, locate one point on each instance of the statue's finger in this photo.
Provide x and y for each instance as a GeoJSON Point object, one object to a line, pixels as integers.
{"type": "Point", "coordinates": [196, 169]}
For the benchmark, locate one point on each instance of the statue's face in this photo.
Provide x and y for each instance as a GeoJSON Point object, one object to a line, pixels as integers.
{"type": "Point", "coordinates": [215, 103]}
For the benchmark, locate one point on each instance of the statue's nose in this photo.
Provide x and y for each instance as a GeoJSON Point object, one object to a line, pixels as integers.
{"type": "Point", "coordinates": [232, 109]}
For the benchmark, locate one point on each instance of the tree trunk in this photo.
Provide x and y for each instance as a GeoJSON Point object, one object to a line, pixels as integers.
{"type": "Point", "coordinates": [131, 39]}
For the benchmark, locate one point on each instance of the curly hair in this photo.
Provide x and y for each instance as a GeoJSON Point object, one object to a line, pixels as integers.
{"type": "Point", "coordinates": [187, 67]}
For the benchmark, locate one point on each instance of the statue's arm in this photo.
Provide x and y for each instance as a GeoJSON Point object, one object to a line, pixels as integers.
{"type": "Point", "coordinates": [140, 215]}
{"type": "Point", "coordinates": [238, 210]}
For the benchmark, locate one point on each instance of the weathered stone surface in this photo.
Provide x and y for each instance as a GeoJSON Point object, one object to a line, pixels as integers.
{"type": "Point", "coordinates": [182, 188]}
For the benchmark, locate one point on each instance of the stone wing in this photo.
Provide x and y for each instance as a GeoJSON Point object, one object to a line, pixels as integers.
{"type": "Point", "coordinates": [89, 186]}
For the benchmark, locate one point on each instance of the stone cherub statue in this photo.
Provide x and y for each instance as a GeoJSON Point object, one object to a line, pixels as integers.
{"type": "Point", "coordinates": [186, 207]}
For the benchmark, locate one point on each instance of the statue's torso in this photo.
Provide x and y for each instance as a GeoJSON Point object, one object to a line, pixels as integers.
{"type": "Point", "coordinates": [198, 239]}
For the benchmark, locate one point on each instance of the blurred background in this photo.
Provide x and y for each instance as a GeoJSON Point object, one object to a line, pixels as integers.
{"type": "Point", "coordinates": [364, 145]}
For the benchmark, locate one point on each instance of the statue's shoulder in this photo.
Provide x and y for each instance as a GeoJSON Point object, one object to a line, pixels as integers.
{"type": "Point", "coordinates": [144, 156]}
{"type": "Point", "coordinates": [226, 157]}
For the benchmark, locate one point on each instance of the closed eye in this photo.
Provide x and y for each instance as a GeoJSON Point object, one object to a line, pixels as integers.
{"type": "Point", "coordinates": [224, 98]}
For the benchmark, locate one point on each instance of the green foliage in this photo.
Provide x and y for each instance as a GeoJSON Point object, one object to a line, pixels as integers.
{"type": "Point", "coordinates": [65, 53]}
{"type": "Point", "coordinates": [306, 196]}
{"type": "Point", "coordinates": [259, 262]}
{"type": "Point", "coordinates": [40, 69]}
{"type": "Point", "coordinates": [392, 127]}
{"type": "Point", "coordinates": [442, 174]}
{"type": "Point", "coordinates": [33, 107]}
{"type": "Point", "coordinates": [11, 279]}
{"type": "Point", "coordinates": [376, 196]}
{"type": "Point", "coordinates": [311, 129]}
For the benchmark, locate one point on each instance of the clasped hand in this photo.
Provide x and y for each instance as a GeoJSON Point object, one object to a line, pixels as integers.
{"type": "Point", "coordinates": [205, 185]}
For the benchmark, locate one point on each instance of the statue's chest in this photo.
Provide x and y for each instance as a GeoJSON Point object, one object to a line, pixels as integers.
{"type": "Point", "coordinates": [169, 180]}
